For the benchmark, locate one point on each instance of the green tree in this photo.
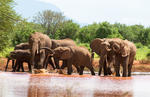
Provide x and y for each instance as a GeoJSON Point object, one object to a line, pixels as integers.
{"type": "Point", "coordinates": [88, 33]}
{"type": "Point", "coordinates": [22, 31]}
{"type": "Point", "coordinates": [68, 29]}
{"type": "Point", "coordinates": [8, 18]}
{"type": "Point", "coordinates": [106, 30]}
{"type": "Point", "coordinates": [50, 21]}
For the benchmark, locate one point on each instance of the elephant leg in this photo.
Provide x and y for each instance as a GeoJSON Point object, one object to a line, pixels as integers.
{"type": "Point", "coordinates": [81, 70]}
{"type": "Point", "coordinates": [7, 64]}
{"type": "Point", "coordinates": [78, 68]}
{"type": "Point", "coordinates": [125, 66]}
{"type": "Point", "coordinates": [91, 69]}
{"type": "Point", "coordinates": [69, 67]}
{"type": "Point", "coordinates": [130, 67]}
{"type": "Point", "coordinates": [29, 66]}
{"type": "Point", "coordinates": [117, 67]}
{"type": "Point", "coordinates": [105, 68]}
{"type": "Point", "coordinates": [16, 63]}
{"type": "Point", "coordinates": [13, 63]}
{"type": "Point", "coordinates": [51, 63]}
{"type": "Point", "coordinates": [21, 63]}
{"type": "Point", "coordinates": [100, 68]}
{"type": "Point", "coordinates": [45, 64]}
{"type": "Point", "coordinates": [56, 63]}
{"type": "Point", "coordinates": [109, 72]}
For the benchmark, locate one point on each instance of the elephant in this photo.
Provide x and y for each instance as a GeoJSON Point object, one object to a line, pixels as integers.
{"type": "Point", "coordinates": [61, 43]}
{"type": "Point", "coordinates": [36, 41]}
{"type": "Point", "coordinates": [102, 48]}
{"type": "Point", "coordinates": [78, 56]}
{"type": "Point", "coordinates": [22, 46]}
{"type": "Point", "coordinates": [20, 56]}
{"type": "Point", "coordinates": [125, 52]}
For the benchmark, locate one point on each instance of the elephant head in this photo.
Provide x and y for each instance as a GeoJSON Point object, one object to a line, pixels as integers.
{"type": "Point", "coordinates": [121, 48]}
{"type": "Point", "coordinates": [100, 46]}
{"type": "Point", "coordinates": [62, 53]}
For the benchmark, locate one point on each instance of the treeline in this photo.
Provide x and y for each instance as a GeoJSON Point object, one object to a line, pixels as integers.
{"type": "Point", "coordinates": [14, 29]}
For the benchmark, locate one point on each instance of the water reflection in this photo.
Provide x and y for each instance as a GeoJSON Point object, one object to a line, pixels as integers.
{"type": "Point", "coordinates": [55, 85]}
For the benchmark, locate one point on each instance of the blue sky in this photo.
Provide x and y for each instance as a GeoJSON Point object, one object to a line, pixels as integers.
{"type": "Point", "coordinates": [88, 11]}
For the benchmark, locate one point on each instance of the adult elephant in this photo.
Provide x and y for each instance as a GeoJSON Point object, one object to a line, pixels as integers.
{"type": "Point", "coordinates": [61, 43]}
{"type": "Point", "coordinates": [78, 56]}
{"type": "Point", "coordinates": [36, 41]}
{"type": "Point", "coordinates": [102, 48]}
{"type": "Point", "coordinates": [125, 52]}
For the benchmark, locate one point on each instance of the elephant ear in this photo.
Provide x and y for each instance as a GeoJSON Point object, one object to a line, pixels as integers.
{"type": "Point", "coordinates": [66, 54]}
{"type": "Point", "coordinates": [96, 46]}
{"type": "Point", "coordinates": [125, 51]}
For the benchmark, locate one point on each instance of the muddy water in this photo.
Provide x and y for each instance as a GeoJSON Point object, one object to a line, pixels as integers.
{"type": "Point", "coordinates": [56, 85]}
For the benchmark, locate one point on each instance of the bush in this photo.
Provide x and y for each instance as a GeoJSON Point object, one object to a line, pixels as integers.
{"type": "Point", "coordinates": [139, 45]}
{"type": "Point", "coordinates": [141, 53]}
{"type": "Point", "coordinates": [6, 51]}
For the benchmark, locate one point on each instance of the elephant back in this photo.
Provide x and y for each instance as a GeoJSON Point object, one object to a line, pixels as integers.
{"type": "Point", "coordinates": [62, 43]}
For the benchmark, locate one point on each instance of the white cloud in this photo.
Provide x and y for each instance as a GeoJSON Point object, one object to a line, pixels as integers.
{"type": "Point", "coordinates": [89, 11]}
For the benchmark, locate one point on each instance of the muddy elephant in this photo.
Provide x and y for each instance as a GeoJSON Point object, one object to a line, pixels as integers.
{"type": "Point", "coordinates": [125, 52]}
{"type": "Point", "coordinates": [61, 43]}
{"type": "Point", "coordinates": [36, 41]}
{"type": "Point", "coordinates": [22, 46]}
{"type": "Point", "coordinates": [102, 48]}
{"type": "Point", "coordinates": [78, 56]}
{"type": "Point", "coordinates": [20, 56]}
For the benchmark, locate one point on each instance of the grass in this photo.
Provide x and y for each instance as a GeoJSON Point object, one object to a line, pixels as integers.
{"type": "Point", "coordinates": [142, 53]}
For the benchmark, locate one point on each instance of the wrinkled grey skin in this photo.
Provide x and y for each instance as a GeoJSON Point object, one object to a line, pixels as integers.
{"type": "Point", "coordinates": [61, 43]}
{"type": "Point", "coordinates": [78, 56]}
{"type": "Point", "coordinates": [36, 41]}
{"type": "Point", "coordinates": [102, 48]}
{"type": "Point", "coordinates": [125, 52]}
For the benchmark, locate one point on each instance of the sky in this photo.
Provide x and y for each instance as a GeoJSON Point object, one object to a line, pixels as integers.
{"type": "Point", "coordinates": [128, 12]}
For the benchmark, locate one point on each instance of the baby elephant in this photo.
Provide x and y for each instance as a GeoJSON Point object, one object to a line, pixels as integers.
{"type": "Point", "coordinates": [21, 56]}
{"type": "Point", "coordinates": [78, 56]}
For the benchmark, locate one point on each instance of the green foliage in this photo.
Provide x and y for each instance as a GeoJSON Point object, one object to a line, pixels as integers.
{"type": "Point", "coordinates": [22, 31]}
{"type": "Point", "coordinates": [87, 33]}
{"type": "Point", "coordinates": [141, 53]}
{"type": "Point", "coordinates": [68, 29]}
{"type": "Point", "coordinates": [6, 52]}
{"type": "Point", "coordinates": [8, 18]}
{"type": "Point", "coordinates": [107, 30]}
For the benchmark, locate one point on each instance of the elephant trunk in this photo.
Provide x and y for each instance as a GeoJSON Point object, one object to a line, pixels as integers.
{"type": "Point", "coordinates": [34, 51]}
{"type": "Point", "coordinates": [50, 51]}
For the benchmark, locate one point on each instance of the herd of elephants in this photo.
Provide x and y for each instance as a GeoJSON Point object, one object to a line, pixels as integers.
{"type": "Point", "coordinates": [40, 49]}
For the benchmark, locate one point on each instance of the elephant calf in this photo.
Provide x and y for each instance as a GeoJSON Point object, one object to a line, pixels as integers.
{"type": "Point", "coordinates": [78, 56]}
